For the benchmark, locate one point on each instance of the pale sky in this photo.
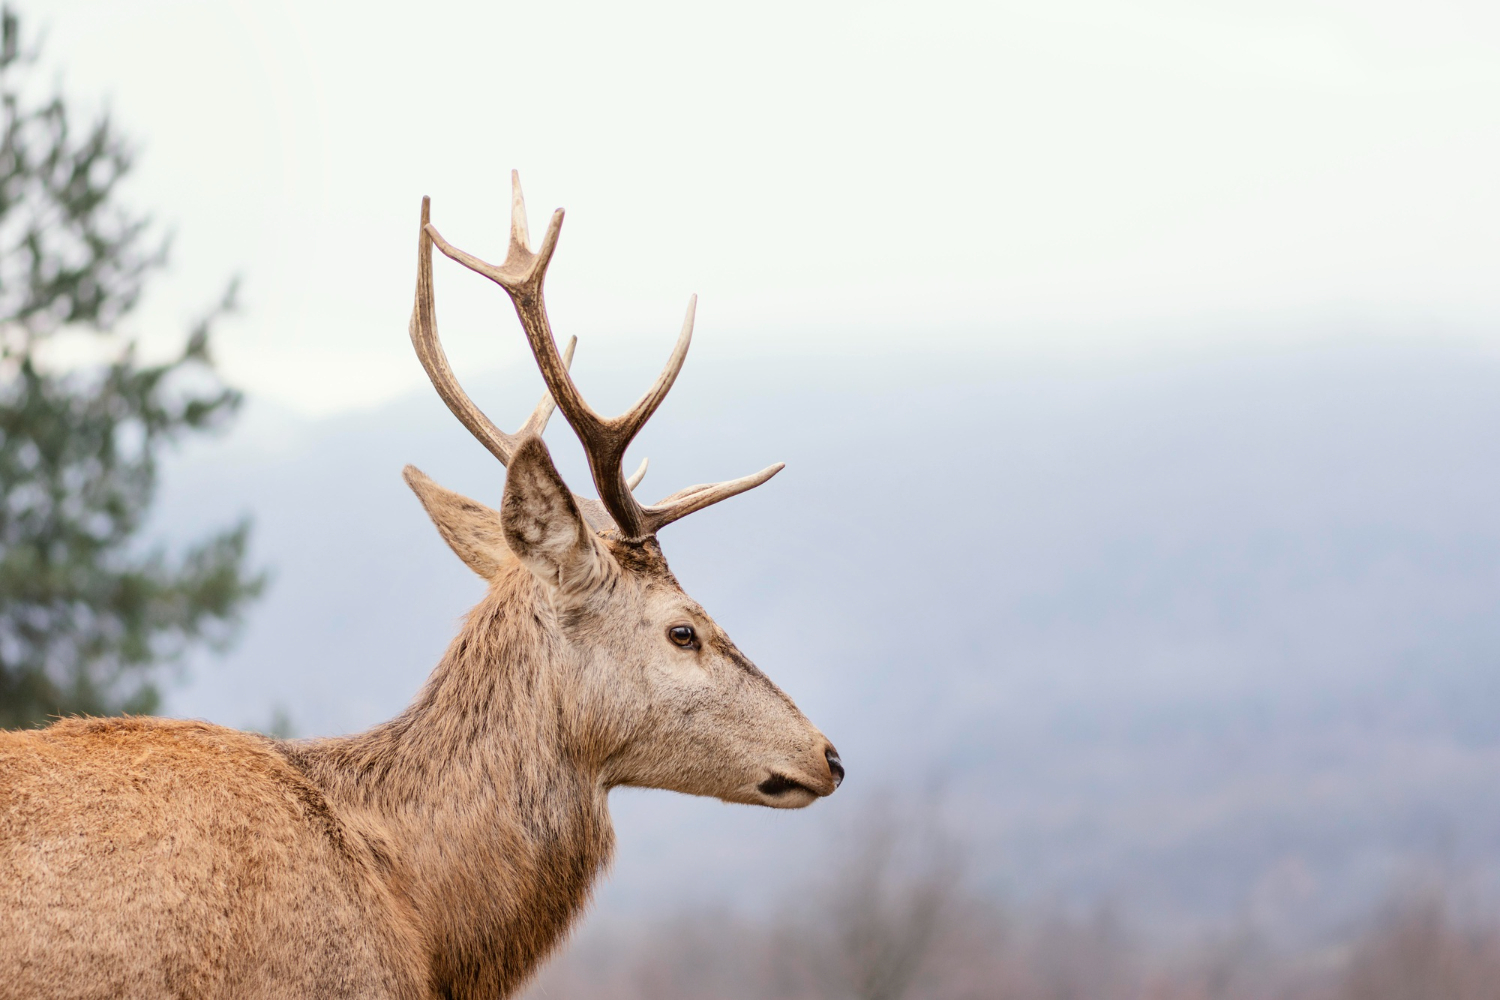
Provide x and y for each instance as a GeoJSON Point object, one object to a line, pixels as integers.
{"type": "Point", "coordinates": [824, 175]}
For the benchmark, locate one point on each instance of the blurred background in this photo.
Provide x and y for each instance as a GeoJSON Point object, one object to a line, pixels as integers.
{"type": "Point", "coordinates": [1137, 368]}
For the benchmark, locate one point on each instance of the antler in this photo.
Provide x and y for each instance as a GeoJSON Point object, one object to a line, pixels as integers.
{"type": "Point", "coordinates": [604, 439]}
{"type": "Point", "coordinates": [424, 337]}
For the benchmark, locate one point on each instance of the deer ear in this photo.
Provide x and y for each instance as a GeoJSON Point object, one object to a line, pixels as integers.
{"type": "Point", "coordinates": [542, 524]}
{"type": "Point", "coordinates": [470, 528]}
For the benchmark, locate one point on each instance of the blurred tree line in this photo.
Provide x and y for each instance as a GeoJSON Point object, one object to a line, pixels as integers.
{"type": "Point", "coordinates": [88, 610]}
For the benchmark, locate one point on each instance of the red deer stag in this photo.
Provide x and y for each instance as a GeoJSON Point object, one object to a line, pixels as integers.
{"type": "Point", "coordinates": [443, 853]}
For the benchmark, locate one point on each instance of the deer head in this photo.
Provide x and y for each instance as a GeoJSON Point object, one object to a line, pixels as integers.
{"type": "Point", "coordinates": [657, 695]}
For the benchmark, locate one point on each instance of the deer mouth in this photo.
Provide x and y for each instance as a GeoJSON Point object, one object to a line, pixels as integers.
{"type": "Point", "coordinates": [788, 792]}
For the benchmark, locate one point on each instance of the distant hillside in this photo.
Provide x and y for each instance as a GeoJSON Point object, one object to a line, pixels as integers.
{"type": "Point", "coordinates": [1215, 635]}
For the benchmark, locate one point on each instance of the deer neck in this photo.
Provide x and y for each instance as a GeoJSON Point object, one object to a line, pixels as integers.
{"type": "Point", "coordinates": [490, 826]}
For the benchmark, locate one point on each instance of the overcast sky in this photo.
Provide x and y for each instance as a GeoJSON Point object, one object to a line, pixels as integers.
{"type": "Point", "coordinates": [825, 175]}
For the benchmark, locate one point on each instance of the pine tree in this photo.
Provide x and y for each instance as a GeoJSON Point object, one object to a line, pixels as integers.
{"type": "Point", "coordinates": [89, 613]}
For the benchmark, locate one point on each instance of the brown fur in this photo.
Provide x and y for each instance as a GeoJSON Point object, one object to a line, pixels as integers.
{"type": "Point", "coordinates": [442, 854]}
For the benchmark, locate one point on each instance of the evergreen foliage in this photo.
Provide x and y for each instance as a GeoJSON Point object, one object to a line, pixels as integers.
{"type": "Point", "coordinates": [88, 613]}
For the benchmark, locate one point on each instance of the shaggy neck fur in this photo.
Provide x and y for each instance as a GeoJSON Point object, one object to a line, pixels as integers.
{"type": "Point", "coordinates": [475, 800]}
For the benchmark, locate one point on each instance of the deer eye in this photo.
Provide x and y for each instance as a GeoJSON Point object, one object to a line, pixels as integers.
{"type": "Point", "coordinates": [683, 635]}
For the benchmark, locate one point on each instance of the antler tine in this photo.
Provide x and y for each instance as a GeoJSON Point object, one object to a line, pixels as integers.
{"type": "Point", "coordinates": [519, 239]}
{"type": "Point", "coordinates": [424, 337]}
{"type": "Point", "coordinates": [684, 502]}
{"type": "Point", "coordinates": [633, 419]}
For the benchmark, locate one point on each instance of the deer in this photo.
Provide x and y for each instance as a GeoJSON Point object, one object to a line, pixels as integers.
{"type": "Point", "coordinates": [447, 852]}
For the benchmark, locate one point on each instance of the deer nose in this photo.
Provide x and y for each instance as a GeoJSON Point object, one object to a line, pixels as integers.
{"type": "Point", "coordinates": [835, 766]}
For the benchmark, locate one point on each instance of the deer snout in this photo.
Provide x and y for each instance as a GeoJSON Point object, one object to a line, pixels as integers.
{"type": "Point", "coordinates": [796, 787]}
